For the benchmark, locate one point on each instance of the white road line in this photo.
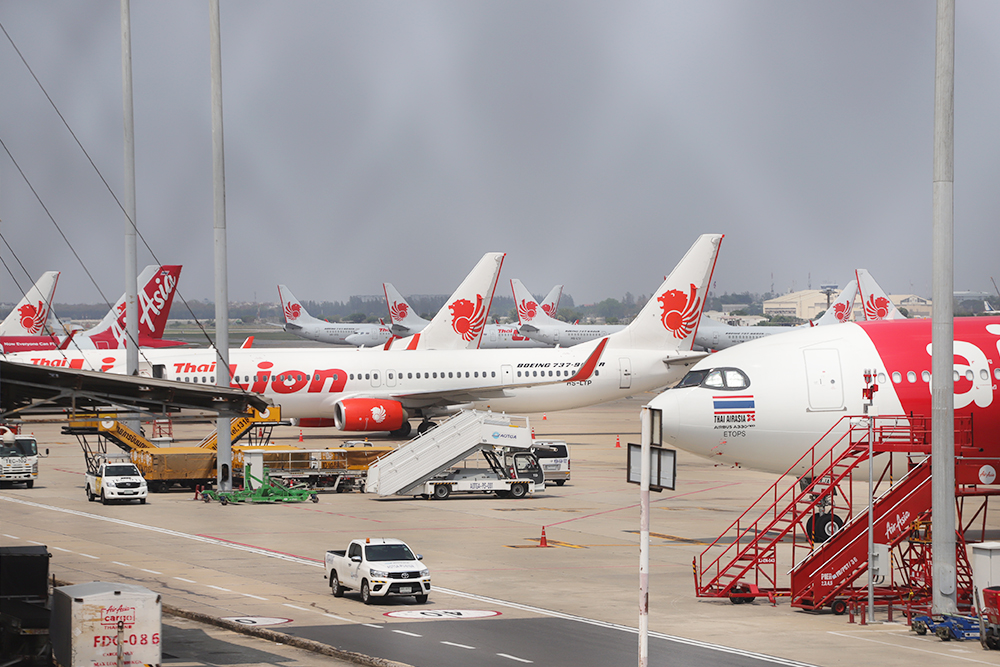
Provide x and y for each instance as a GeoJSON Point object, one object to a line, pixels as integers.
{"type": "Point", "coordinates": [61, 549]}
{"type": "Point", "coordinates": [909, 648]}
{"type": "Point", "coordinates": [471, 648]}
{"type": "Point", "coordinates": [494, 601]}
{"type": "Point", "coordinates": [372, 625]}
{"type": "Point", "coordinates": [255, 597]}
{"type": "Point", "coordinates": [34, 542]}
{"type": "Point", "coordinates": [514, 657]}
{"type": "Point", "coordinates": [13, 537]}
{"type": "Point", "coordinates": [219, 588]}
{"type": "Point", "coordinates": [294, 607]}
{"type": "Point", "coordinates": [150, 571]}
{"type": "Point", "coordinates": [339, 618]}
{"type": "Point", "coordinates": [88, 555]}
{"type": "Point", "coordinates": [408, 634]}
{"type": "Point", "coordinates": [186, 581]}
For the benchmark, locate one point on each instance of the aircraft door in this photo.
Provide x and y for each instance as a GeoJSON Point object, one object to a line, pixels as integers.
{"type": "Point", "coordinates": [506, 374]}
{"type": "Point", "coordinates": [824, 380]}
{"type": "Point", "coordinates": [390, 378]}
{"type": "Point", "coordinates": [493, 334]}
{"type": "Point", "coordinates": [625, 370]}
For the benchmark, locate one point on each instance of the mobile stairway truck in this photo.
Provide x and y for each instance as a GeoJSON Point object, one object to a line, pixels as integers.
{"type": "Point", "coordinates": [424, 466]}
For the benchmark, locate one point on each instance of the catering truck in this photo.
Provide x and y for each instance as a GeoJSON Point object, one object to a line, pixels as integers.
{"type": "Point", "coordinates": [378, 567]}
{"type": "Point", "coordinates": [18, 458]}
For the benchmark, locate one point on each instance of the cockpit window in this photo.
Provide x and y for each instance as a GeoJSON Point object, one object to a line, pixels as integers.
{"type": "Point", "coordinates": [692, 379]}
{"type": "Point", "coordinates": [731, 379]}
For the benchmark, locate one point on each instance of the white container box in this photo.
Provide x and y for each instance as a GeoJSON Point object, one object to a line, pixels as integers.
{"type": "Point", "coordinates": [85, 625]}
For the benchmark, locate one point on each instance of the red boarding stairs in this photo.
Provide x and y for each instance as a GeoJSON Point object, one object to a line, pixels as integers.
{"type": "Point", "coordinates": [786, 526]}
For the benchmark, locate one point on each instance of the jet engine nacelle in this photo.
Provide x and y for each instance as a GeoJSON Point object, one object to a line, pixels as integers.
{"type": "Point", "coordinates": [368, 414]}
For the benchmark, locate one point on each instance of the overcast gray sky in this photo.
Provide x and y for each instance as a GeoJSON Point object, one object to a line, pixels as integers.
{"type": "Point", "coordinates": [591, 141]}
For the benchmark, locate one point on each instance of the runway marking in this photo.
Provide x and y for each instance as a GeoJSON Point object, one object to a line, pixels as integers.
{"type": "Point", "coordinates": [219, 588]}
{"type": "Point", "coordinates": [408, 634]}
{"type": "Point", "coordinates": [909, 648]}
{"type": "Point", "coordinates": [187, 581]}
{"type": "Point", "coordinates": [252, 548]}
{"type": "Point", "coordinates": [145, 570]}
{"type": "Point", "coordinates": [471, 648]}
{"type": "Point", "coordinates": [11, 536]}
{"type": "Point", "coordinates": [674, 538]}
{"type": "Point", "coordinates": [339, 618]}
{"type": "Point", "coordinates": [372, 625]}
{"type": "Point", "coordinates": [294, 607]}
{"type": "Point", "coordinates": [514, 657]}
{"type": "Point", "coordinates": [88, 555]}
{"type": "Point", "coordinates": [552, 543]}
{"type": "Point", "coordinates": [255, 597]}
{"type": "Point", "coordinates": [41, 544]}
{"type": "Point", "coordinates": [61, 549]}
{"type": "Point", "coordinates": [312, 562]}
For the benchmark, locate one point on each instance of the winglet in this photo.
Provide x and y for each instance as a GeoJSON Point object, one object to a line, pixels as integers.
{"type": "Point", "coordinates": [587, 369]}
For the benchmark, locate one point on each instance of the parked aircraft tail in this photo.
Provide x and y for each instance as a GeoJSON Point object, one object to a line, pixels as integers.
{"type": "Point", "coordinates": [460, 322]}
{"type": "Point", "coordinates": [670, 318]}
{"type": "Point", "coordinates": [405, 321]}
{"type": "Point", "coordinates": [874, 299]}
{"type": "Point", "coordinates": [157, 285]}
{"type": "Point", "coordinates": [550, 304]}
{"type": "Point", "coordinates": [842, 307]}
{"type": "Point", "coordinates": [295, 313]}
{"type": "Point", "coordinates": [30, 315]}
{"type": "Point", "coordinates": [530, 314]}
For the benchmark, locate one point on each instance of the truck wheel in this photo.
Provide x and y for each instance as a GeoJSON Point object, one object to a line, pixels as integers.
{"type": "Point", "coordinates": [839, 607]}
{"type": "Point", "coordinates": [442, 491]}
{"type": "Point", "coordinates": [335, 587]}
{"type": "Point", "coordinates": [29, 484]}
{"type": "Point", "coordinates": [142, 501]}
{"type": "Point", "coordinates": [518, 490]}
{"type": "Point", "coordinates": [104, 499]}
{"type": "Point", "coordinates": [421, 599]}
{"type": "Point", "coordinates": [920, 627]}
{"type": "Point", "coordinates": [559, 482]}
{"type": "Point", "coordinates": [366, 593]}
{"type": "Point", "coordinates": [90, 496]}
{"type": "Point", "coordinates": [314, 498]}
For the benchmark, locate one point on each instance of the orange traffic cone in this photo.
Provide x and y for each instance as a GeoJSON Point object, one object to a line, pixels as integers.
{"type": "Point", "coordinates": [300, 436]}
{"type": "Point", "coordinates": [544, 416]}
{"type": "Point", "coordinates": [532, 432]}
{"type": "Point", "coordinates": [543, 542]}
{"type": "Point", "coordinates": [618, 442]}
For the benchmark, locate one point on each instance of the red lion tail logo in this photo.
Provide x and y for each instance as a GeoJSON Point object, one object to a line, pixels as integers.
{"type": "Point", "coordinates": [527, 310]}
{"type": "Point", "coordinates": [680, 311]}
{"type": "Point", "coordinates": [468, 320]}
{"type": "Point", "coordinates": [842, 311]}
{"type": "Point", "coordinates": [292, 311]}
{"type": "Point", "coordinates": [876, 308]}
{"type": "Point", "coordinates": [398, 311]}
{"type": "Point", "coordinates": [33, 317]}
{"type": "Point", "coordinates": [547, 307]}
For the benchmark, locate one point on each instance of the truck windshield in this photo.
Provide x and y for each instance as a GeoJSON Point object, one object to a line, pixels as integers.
{"type": "Point", "coordinates": [123, 470]}
{"type": "Point", "coordinates": [22, 447]}
{"type": "Point", "coordinates": [380, 552]}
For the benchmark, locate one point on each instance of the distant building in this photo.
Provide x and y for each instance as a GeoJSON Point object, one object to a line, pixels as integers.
{"type": "Point", "coordinates": [807, 304]}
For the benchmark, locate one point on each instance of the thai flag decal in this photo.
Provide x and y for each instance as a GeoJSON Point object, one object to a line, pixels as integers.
{"type": "Point", "coordinates": [735, 409]}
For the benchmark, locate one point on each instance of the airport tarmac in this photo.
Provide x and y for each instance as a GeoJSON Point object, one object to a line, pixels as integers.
{"type": "Point", "coordinates": [499, 599]}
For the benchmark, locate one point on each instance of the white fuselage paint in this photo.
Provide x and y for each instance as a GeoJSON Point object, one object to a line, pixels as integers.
{"type": "Point", "coordinates": [485, 379]}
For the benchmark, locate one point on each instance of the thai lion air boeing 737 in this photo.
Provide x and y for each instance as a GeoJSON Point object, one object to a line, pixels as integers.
{"type": "Point", "coordinates": [380, 390]}
{"type": "Point", "coordinates": [764, 403]}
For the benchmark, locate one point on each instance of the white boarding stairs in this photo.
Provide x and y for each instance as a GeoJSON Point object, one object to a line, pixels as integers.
{"type": "Point", "coordinates": [412, 464]}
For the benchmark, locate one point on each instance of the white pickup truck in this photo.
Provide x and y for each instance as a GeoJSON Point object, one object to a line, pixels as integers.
{"type": "Point", "coordinates": [112, 479]}
{"type": "Point", "coordinates": [378, 567]}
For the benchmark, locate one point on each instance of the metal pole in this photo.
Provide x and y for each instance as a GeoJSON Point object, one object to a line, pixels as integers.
{"type": "Point", "coordinates": [224, 454]}
{"type": "Point", "coordinates": [943, 326]}
{"type": "Point", "coordinates": [646, 423]}
{"type": "Point", "coordinates": [131, 272]}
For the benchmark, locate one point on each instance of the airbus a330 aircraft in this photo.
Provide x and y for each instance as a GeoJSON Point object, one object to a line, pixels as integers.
{"type": "Point", "coordinates": [156, 294]}
{"type": "Point", "coordinates": [765, 403]}
{"type": "Point", "coordinates": [376, 390]}
{"type": "Point", "coordinates": [299, 322]}
{"type": "Point", "coordinates": [405, 321]}
{"type": "Point", "coordinates": [713, 335]}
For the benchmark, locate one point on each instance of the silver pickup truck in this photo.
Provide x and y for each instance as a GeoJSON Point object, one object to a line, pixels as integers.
{"type": "Point", "coordinates": [378, 567]}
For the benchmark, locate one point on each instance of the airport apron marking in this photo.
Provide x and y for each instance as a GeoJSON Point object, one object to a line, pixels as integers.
{"type": "Point", "coordinates": [469, 596]}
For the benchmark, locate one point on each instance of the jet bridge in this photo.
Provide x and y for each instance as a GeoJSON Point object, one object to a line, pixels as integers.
{"type": "Point", "coordinates": [411, 465]}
